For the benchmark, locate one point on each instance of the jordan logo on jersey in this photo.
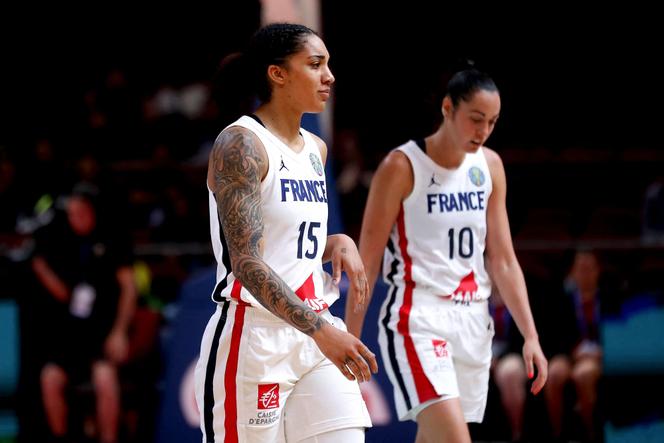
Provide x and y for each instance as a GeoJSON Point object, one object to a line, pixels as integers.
{"type": "Point", "coordinates": [283, 165]}
{"type": "Point", "coordinates": [440, 348]}
{"type": "Point", "coordinates": [268, 396]}
{"type": "Point", "coordinates": [433, 181]}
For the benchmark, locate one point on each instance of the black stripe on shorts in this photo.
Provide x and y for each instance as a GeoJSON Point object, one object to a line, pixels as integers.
{"type": "Point", "coordinates": [208, 398]}
{"type": "Point", "coordinates": [390, 348]}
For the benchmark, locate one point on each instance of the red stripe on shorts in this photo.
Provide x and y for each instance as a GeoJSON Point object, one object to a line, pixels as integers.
{"type": "Point", "coordinates": [425, 390]}
{"type": "Point", "coordinates": [230, 384]}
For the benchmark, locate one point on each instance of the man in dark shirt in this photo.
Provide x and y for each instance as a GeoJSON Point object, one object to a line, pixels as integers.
{"type": "Point", "coordinates": [87, 270]}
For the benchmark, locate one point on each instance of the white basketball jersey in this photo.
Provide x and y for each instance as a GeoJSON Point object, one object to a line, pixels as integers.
{"type": "Point", "coordinates": [438, 241]}
{"type": "Point", "coordinates": [294, 206]}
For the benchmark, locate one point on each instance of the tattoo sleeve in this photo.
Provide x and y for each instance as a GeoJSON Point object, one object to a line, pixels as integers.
{"type": "Point", "coordinates": [236, 164]}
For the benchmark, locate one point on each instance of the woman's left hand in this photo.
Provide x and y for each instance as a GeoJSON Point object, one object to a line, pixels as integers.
{"type": "Point", "coordinates": [533, 356]}
{"type": "Point", "coordinates": [345, 257]}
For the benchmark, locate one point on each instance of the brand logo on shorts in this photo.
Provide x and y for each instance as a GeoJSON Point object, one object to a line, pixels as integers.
{"type": "Point", "coordinates": [268, 396]}
{"type": "Point", "coordinates": [316, 163]}
{"type": "Point", "coordinates": [440, 348]}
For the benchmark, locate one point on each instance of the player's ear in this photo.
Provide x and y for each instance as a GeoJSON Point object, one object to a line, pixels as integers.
{"type": "Point", "coordinates": [447, 106]}
{"type": "Point", "coordinates": [276, 74]}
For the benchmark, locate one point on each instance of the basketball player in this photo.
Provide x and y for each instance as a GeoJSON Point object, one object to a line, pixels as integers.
{"type": "Point", "coordinates": [433, 207]}
{"type": "Point", "coordinates": [275, 365]}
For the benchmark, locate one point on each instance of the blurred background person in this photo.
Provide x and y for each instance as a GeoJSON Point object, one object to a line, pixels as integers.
{"type": "Point", "coordinates": [574, 343]}
{"type": "Point", "coordinates": [85, 265]}
{"type": "Point", "coordinates": [508, 370]}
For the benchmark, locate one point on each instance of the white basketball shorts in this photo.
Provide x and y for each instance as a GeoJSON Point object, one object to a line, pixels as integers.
{"type": "Point", "coordinates": [258, 379]}
{"type": "Point", "coordinates": [435, 349]}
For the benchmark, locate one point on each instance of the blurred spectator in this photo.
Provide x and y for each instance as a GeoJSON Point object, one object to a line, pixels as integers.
{"type": "Point", "coordinates": [86, 268]}
{"type": "Point", "coordinates": [573, 341]}
{"type": "Point", "coordinates": [509, 371]}
{"type": "Point", "coordinates": [140, 397]}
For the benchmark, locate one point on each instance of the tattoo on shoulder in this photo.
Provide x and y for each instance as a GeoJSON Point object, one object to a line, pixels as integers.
{"type": "Point", "coordinates": [237, 163]}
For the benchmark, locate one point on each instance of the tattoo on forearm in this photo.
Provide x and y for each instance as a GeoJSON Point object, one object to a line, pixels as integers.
{"type": "Point", "coordinates": [236, 164]}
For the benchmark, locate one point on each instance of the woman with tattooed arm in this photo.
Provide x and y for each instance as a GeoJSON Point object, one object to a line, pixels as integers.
{"type": "Point", "coordinates": [275, 365]}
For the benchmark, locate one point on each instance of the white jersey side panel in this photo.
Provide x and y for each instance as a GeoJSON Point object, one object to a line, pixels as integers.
{"type": "Point", "coordinates": [439, 239]}
{"type": "Point", "coordinates": [294, 207]}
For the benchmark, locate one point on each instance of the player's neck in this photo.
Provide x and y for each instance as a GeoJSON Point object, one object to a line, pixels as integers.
{"type": "Point", "coordinates": [284, 123]}
{"type": "Point", "coordinates": [442, 150]}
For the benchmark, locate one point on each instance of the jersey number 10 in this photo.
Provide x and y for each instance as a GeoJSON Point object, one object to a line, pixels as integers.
{"type": "Point", "coordinates": [464, 232]}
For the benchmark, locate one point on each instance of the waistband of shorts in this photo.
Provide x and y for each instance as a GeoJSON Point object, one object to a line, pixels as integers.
{"type": "Point", "coordinates": [261, 315]}
{"type": "Point", "coordinates": [426, 299]}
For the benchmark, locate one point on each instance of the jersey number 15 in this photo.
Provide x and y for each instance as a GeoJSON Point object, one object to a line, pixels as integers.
{"type": "Point", "coordinates": [311, 236]}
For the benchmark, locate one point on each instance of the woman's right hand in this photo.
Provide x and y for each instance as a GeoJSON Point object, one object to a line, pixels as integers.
{"type": "Point", "coordinates": [348, 353]}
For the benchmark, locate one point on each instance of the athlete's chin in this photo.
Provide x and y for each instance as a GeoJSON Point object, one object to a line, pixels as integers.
{"type": "Point", "coordinates": [473, 147]}
{"type": "Point", "coordinates": [320, 107]}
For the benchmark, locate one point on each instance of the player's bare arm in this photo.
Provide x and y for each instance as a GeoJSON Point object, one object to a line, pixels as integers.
{"type": "Point", "coordinates": [238, 162]}
{"type": "Point", "coordinates": [383, 204]}
{"type": "Point", "coordinates": [505, 270]}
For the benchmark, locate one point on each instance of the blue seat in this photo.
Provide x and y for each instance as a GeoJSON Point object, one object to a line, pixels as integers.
{"type": "Point", "coordinates": [632, 341]}
{"type": "Point", "coordinates": [9, 365]}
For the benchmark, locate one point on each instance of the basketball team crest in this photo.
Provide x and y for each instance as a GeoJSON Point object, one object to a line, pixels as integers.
{"type": "Point", "coordinates": [476, 176]}
{"type": "Point", "coordinates": [318, 167]}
